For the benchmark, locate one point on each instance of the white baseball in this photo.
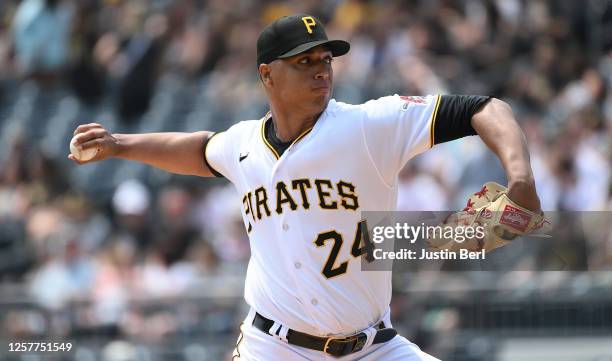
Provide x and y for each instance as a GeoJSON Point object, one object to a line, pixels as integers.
{"type": "Point", "coordinates": [81, 154]}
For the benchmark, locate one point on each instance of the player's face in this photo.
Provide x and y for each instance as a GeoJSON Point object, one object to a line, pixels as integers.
{"type": "Point", "coordinates": [304, 80]}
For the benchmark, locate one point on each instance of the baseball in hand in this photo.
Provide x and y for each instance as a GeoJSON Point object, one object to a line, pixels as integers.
{"type": "Point", "coordinates": [81, 154]}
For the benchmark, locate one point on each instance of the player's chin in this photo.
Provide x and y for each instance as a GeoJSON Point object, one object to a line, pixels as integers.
{"type": "Point", "coordinates": [321, 98]}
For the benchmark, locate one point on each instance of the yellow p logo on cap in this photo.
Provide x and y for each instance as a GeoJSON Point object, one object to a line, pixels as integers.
{"type": "Point", "coordinates": [309, 22]}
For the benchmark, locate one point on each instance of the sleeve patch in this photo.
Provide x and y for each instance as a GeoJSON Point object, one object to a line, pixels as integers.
{"type": "Point", "coordinates": [417, 100]}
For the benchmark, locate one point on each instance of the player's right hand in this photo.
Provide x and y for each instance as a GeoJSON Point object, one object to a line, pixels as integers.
{"type": "Point", "coordinates": [93, 135]}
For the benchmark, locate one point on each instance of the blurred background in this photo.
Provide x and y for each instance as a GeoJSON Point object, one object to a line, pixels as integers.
{"type": "Point", "coordinates": [132, 263]}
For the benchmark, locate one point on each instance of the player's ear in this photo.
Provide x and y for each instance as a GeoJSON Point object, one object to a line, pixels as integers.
{"type": "Point", "coordinates": [265, 74]}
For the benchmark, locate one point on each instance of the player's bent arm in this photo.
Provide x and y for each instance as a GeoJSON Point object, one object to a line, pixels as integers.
{"type": "Point", "coordinates": [180, 153]}
{"type": "Point", "coordinates": [499, 130]}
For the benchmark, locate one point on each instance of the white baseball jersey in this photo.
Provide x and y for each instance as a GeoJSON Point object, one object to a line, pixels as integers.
{"type": "Point", "coordinates": [302, 209]}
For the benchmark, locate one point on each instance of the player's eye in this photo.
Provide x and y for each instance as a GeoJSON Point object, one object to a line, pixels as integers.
{"type": "Point", "coordinates": [304, 61]}
{"type": "Point", "coordinates": [328, 60]}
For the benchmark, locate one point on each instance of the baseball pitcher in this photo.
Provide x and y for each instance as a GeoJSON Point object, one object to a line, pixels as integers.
{"type": "Point", "coordinates": [305, 171]}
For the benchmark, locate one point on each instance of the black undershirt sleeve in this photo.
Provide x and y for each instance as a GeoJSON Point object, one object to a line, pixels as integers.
{"type": "Point", "coordinates": [454, 117]}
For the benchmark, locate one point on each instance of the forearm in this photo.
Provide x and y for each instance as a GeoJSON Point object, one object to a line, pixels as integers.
{"type": "Point", "coordinates": [179, 153]}
{"type": "Point", "coordinates": [497, 127]}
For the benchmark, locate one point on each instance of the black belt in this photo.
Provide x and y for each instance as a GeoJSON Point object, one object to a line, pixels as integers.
{"type": "Point", "coordinates": [335, 346]}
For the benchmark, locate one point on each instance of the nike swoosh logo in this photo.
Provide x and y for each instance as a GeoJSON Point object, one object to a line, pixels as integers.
{"type": "Point", "coordinates": [242, 157]}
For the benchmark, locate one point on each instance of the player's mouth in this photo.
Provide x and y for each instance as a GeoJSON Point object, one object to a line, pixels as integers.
{"type": "Point", "coordinates": [321, 89]}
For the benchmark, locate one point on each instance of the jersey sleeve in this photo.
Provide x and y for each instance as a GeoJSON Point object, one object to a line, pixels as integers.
{"type": "Point", "coordinates": [215, 154]}
{"type": "Point", "coordinates": [397, 128]}
{"type": "Point", "coordinates": [222, 151]}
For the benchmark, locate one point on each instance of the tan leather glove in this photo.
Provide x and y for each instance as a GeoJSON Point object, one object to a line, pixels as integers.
{"type": "Point", "coordinates": [501, 220]}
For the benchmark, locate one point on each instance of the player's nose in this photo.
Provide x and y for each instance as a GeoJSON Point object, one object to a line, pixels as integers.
{"type": "Point", "coordinates": [322, 69]}
{"type": "Point", "coordinates": [322, 74]}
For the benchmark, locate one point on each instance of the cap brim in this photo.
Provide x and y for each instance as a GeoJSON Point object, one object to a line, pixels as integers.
{"type": "Point", "coordinates": [337, 47]}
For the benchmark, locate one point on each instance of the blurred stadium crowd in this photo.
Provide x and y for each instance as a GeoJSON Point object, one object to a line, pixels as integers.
{"type": "Point", "coordinates": [93, 239]}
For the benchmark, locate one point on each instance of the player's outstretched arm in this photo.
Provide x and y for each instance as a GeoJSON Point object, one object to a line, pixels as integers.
{"type": "Point", "coordinates": [496, 125]}
{"type": "Point", "coordinates": [179, 153]}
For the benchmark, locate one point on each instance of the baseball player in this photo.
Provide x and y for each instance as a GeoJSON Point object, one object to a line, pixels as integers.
{"type": "Point", "coordinates": [304, 172]}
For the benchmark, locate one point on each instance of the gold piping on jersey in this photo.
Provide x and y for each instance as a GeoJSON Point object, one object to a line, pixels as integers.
{"type": "Point", "coordinates": [267, 117]}
{"type": "Point", "coordinates": [432, 122]}
{"type": "Point", "coordinates": [263, 134]}
{"type": "Point", "coordinates": [301, 135]}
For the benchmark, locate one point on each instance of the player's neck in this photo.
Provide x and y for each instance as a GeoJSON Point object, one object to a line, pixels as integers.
{"type": "Point", "coordinates": [289, 125]}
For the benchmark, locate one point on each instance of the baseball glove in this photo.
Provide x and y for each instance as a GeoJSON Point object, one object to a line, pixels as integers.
{"type": "Point", "coordinates": [499, 219]}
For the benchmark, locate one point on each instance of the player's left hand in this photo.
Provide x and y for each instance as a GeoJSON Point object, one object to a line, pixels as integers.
{"type": "Point", "coordinates": [500, 217]}
{"type": "Point", "coordinates": [523, 193]}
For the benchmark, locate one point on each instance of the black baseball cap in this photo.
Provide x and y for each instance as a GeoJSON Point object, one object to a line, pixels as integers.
{"type": "Point", "coordinates": [292, 35]}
